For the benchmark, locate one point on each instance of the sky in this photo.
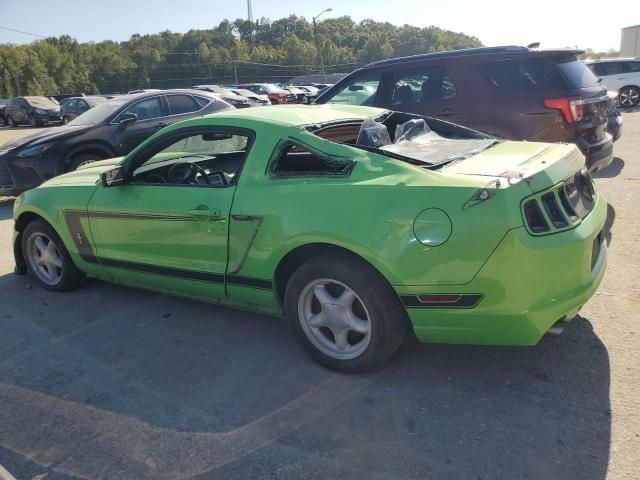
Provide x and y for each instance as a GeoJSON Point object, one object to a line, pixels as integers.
{"type": "Point", "coordinates": [554, 23]}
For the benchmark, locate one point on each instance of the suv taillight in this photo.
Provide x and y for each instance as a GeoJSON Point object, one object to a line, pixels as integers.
{"type": "Point", "coordinates": [571, 107]}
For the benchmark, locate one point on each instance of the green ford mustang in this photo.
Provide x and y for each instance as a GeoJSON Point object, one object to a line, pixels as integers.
{"type": "Point", "coordinates": [355, 223]}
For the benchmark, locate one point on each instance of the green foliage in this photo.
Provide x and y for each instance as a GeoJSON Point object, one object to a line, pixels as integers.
{"type": "Point", "coordinates": [265, 51]}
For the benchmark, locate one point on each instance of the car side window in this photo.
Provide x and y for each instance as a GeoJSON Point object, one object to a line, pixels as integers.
{"type": "Point", "coordinates": [634, 67]}
{"type": "Point", "coordinates": [179, 104]}
{"type": "Point", "coordinates": [610, 68]}
{"type": "Point", "coordinates": [294, 160]}
{"type": "Point", "coordinates": [146, 109]}
{"type": "Point", "coordinates": [598, 69]}
{"type": "Point", "coordinates": [422, 87]}
{"type": "Point", "coordinates": [358, 91]}
{"type": "Point", "coordinates": [71, 105]}
{"type": "Point", "coordinates": [82, 106]}
{"type": "Point", "coordinates": [206, 158]}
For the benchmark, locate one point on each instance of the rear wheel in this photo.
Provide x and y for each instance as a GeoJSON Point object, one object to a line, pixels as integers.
{"type": "Point", "coordinates": [344, 313]}
{"type": "Point", "coordinates": [629, 96]}
{"type": "Point", "coordinates": [48, 260]}
{"type": "Point", "coordinates": [3, 122]}
{"type": "Point", "coordinates": [10, 121]}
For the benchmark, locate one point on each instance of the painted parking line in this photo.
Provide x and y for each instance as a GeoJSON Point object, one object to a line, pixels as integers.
{"type": "Point", "coordinates": [5, 475]}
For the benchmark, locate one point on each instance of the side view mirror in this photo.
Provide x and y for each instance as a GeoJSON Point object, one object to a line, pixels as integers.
{"type": "Point", "coordinates": [127, 118]}
{"type": "Point", "coordinates": [113, 177]}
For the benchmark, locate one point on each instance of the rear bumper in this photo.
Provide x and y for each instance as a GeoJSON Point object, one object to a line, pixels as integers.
{"type": "Point", "coordinates": [527, 285]}
{"type": "Point", "coordinates": [598, 155]}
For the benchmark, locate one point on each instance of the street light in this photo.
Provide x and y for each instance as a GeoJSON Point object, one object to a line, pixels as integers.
{"type": "Point", "coordinates": [315, 29]}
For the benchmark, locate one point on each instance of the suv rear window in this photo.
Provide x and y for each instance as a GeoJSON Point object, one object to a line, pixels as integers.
{"type": "Point", "coordinates": [517, 76]}
{"type": "Point", "coordinates": [576, 72]}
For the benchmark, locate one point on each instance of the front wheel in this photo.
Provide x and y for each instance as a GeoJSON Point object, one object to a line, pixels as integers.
{"type": "Point", "coordinates": [48, 260]}
{"type": "Point", "coordinates": [2, 122]}
{"type": "Point", "coordinates": [11, 122]}
{"type": "Point", "coordinates": [344, 313]}
{"type": "Point", "coordinates": [82, 159]}
{"type": "Point", "coordinates": [33, 123]}
{"type": "Point", "coordinates": [629, 96]}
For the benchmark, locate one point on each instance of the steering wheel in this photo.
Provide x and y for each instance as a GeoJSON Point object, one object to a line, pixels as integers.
{"type": "Point", "coordinates": [182, 173]}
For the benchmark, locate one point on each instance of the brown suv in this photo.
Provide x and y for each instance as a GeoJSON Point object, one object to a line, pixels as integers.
{"type": "Point", "coordinates": [512, 92]}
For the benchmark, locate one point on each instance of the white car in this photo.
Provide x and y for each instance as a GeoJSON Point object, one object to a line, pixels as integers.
{"type": "Point", "coordinates": [621, 75]}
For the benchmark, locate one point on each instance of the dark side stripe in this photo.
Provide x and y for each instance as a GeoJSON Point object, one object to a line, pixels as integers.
{"type": "Point", "coordinates": [465, 301]}
{"type": "Point", "coordinates": [251, 282]}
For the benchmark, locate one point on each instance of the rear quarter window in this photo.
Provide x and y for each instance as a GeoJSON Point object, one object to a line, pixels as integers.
{"type": "Point", "coordinates": [523, 75]}
{"type": "Point", "coordinates": [576, 72]}
{"type": "Point", "coordinates": [293, 160]}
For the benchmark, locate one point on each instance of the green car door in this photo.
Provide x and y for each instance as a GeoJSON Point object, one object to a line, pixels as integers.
{"type": "Point", "coordinates": [167, 226]}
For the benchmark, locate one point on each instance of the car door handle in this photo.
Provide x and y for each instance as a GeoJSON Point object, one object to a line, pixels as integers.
{"type": "Point", "coordinates": [203, 211]}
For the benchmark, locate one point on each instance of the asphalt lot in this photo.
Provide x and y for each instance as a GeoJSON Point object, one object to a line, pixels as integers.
{"type": "Point", "coordinates": [118, 383]}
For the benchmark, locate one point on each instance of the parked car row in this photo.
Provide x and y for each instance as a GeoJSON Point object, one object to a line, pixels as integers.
{"type": "Point", "coordinates": [111, 129]}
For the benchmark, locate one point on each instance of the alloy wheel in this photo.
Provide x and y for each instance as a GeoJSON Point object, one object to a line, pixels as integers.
{"type": "Point", "coordinates": [85, 162]}
{"type": "Point", "coordinates": [44, 258]}
{"type": "Point", "coordinates": [629, 97]}
{"type": "Point", "coordinates": [32, 121]}
{"type": "Point", "coordinates": [334, 319]}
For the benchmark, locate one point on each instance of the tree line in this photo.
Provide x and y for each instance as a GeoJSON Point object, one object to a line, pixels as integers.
{"type": "Point", "coordinates": [264, 50]}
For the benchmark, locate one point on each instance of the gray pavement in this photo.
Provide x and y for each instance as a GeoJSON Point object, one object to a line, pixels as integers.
{"type": "Point", "coordinates": [118, 383]}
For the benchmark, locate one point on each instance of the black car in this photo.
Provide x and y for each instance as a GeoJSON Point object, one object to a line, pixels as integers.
{"type": "Point", "coordinates": [33, 111]}
{"type": "Point", "coordinates": [3, 109]}
{"type": "Point", "coordinates": [111, 129]}
{"type": "Point", "coordinates": [74, 107]}
{"type": "Point", "coordinates": [518, 93]}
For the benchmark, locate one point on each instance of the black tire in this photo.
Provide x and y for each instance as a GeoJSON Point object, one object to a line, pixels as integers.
{"type": "Point", "coordinates": [629, 96]}
{"type": "Point", "coordinates": [387, 318]}
{"type": "Point", "coordinates": [33, 123]}
{"type": "Point", "coordinates": [273, 102]}
{"type": "Point", "coordinates": [3, 122]}
{"type": "Point", "coordinates": [83, 158]}
{"type": "Point", "coordinates": [65, 120]}
{"type": "Point", "coordinates": [70, 276]}
{"type": "Point", "coordinates": [10, 121]}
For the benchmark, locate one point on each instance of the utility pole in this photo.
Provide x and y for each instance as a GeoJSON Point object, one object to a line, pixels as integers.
{"type": "Point", "coordinates": [235, 72]}
{"type": "Point", "coordinates": [250, 19]}
{"type": "Point", "coordinates": [315, 30]}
